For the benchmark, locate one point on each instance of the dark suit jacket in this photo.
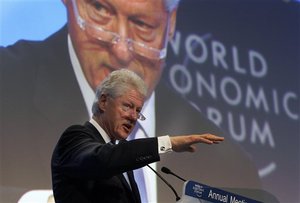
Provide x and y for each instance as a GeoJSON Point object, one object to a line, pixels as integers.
{"type": "Point", "coordinates": [40, 97]}
{"type": "Point", "coordinates": [86, 170]}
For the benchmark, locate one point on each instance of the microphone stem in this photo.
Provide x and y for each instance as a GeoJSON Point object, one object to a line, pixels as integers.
{"type": "Point", "coordinates": [165, 181]}
{"type": "Point", "coordinates": [178, 177]}
{"type": "Point", "coordinates": [168, 171]}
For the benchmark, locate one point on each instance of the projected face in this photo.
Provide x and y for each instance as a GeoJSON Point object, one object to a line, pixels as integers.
{"type": "Point", "coordinates": [112, 34]}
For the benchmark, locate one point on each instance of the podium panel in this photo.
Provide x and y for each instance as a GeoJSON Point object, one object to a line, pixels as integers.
{"type": "Point", "coordinates": [195, 192]}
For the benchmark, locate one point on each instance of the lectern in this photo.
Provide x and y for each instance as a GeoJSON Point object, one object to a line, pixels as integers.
{"type": "Point", "coordinates": [195, 192]}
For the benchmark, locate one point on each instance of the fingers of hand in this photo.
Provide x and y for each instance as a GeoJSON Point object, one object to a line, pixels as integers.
{"type": "Point", "coordinates": [207, 139]}
{"type": "Point", "coordinates": [213, 138]}
{"type": "Point", "coordinates": [185, 143]}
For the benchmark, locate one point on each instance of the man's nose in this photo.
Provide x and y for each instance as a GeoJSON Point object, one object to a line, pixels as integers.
{"type": "Point", "coordinates": [121, 51]}
{"type": "Point", "coordinates": [133, 115]}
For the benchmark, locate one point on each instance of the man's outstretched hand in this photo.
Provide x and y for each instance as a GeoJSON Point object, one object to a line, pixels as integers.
{"type": "Point", "coordinates": [185, 143]}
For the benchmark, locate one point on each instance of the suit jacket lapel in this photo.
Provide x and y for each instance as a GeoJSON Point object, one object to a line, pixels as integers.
{"type": "Point", "coordinates": [124, 182]}
{"type": "Point", "coordinates": [134, 187]}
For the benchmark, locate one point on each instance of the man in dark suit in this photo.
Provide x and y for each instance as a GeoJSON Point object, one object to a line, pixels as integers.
{"type": "Point", "coordinates": [42, 93]}
{"type": "Point", "coordinates": [87, 167]}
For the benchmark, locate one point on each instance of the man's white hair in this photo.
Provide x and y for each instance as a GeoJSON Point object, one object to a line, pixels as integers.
{"type": "Point", "coordinates": [116, 84]}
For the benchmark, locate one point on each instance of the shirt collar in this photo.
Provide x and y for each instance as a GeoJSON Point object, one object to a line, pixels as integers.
{"type": "Point", "coordinates": [100, 130]}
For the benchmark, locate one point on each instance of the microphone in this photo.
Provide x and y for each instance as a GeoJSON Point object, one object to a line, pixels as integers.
{"type": "Point", "coordinates": [168, 171]}
{"type": "Point", "coordinates": [167, 183]}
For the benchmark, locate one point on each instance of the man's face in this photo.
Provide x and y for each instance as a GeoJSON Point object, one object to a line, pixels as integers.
{"type": "Point", "coordinates": [121, 113]}
{"type": "Point", "coordinates": [144, 21]}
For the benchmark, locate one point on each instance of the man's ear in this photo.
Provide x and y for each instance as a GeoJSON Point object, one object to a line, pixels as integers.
{"type": "Point", "coordinates": [172, 25]}
{"type": "Point", "coordinates": [102, 102]}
